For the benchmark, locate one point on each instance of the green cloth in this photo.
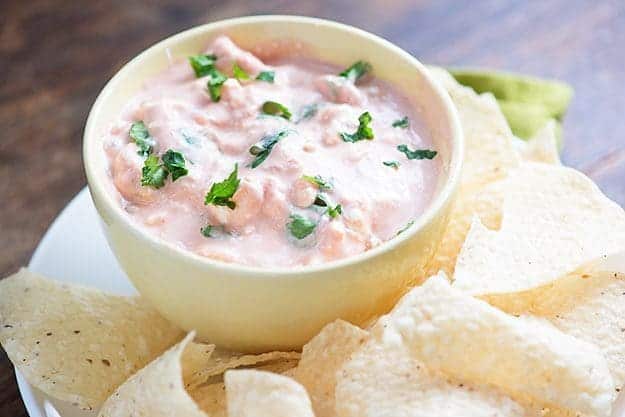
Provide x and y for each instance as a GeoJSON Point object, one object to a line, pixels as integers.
{"type": "Point", "coordinates": [526, 102]}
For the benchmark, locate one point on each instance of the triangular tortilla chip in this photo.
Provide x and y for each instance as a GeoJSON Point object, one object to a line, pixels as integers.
{"type": "Point", "coordinates": [252, 393]}
{"type": "Point", "coordinates": [77, 344]}
{"type": "Point", "coordinates": [542, 147]}
{"type": "Point", "coordinates": [554, 220]}
{"type": "Point", "coordinates": [158, 390]}
{"type": "Point", "coordinates": [385, 381]}
{"type": "Point", "coordinates": [322, 357]}
{"type": "Point", "coordinates": [470, 340]}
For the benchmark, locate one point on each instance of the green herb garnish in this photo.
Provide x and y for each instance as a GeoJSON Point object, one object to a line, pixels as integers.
{"type": "Point", "coordinates": [364, 130]}
{"type": "Point", "coordinates": [392, 164]}
{"type": "Point", "coordinates": [319, 181]}
{"type": "Point", "coordinates": [267, 76]}
{"type": "Point", "coordinates": [406, 227]}
{"type": "Point", "coordinates": [276, 109]}
{"type": "Point", "coordinates": [206, 230]}
{"type": "Point", "coordinates": [335, 211]}
{"type": "Point", "coordinates": [141, 137]}
{"type": "Point", "coordinates": [307, 112]}
{"type": "Point", "coordinates": [357, 70]}
{"type": "Point", "coordinates": [239, 73]}
{"type": "Point", "coordinates": [215, 80]}
{"type": "Point", "coordinates": [202, 64]}
{"type": "Point", "coordinates": [417, 153]}
{"type": "Point", "coordinates": [263, 147]}
{"type": "Point", "coordinates": [300, 226]}
{"type": "Point", "coordinates": [402, 123]}
{"type": "Point", "coordinates": [221, 193]}
{"type": "Point", "coordinates": [153, 173]}
{"type": "Point", "coordinates": [175, 164]}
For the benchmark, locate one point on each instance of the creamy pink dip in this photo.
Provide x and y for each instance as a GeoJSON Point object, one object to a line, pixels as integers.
{"type": "Point", "coordinates": [377, 200]}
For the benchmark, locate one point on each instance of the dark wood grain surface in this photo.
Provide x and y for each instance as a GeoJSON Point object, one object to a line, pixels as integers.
{"type": "Point", "coordinates": [56, 55]}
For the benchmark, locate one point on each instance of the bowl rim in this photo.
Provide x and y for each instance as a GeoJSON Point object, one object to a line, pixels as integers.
{"type": "Point", "coordinates": [445, 194]}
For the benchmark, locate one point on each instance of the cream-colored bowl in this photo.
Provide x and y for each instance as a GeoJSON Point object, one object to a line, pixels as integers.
{"type": "Point", "coordinates": [256, 309]}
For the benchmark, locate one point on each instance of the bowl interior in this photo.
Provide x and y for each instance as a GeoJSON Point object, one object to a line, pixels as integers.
{"type": "Point", "coordinates": [324, 40]}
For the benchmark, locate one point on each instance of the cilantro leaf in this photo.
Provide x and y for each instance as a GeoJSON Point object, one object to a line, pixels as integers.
{"type": "Point", "coordinates": [153, 173]}
{"type": "Point", "coordinates": [356, 71]}
{"type": "Point", "coordinates": [141, 137]}
{"type": "Point", "coordinates": [202, 64]}
{"type": "Point", "coordinates": [402, 123]}
{"type": "Point", "coordinates": [206, 230]}
{"type": "Point", "coordinates": [364, 130]}
{"type": "Point", "coordinates": [175, 164]}
{"type": "Point", "coordinates": [417, 153]}
{"type": "Point", "coordinates": [263, 147]}
{"type": "Point", "coordinates": [392, 164]}
{"type": "Point", "coordinates": [335, 211]}
{"type": "Point", "coordinates": [239, 73]}
{"type": "Point", "coordinates": [307, 112]}
{"type": "Point", "coordinates": [267, 76]}
{"type": "Point", "coordinates": [276, 109]}
{"type": "Point", "coordinates": [220, 193]}
{"type": "Point", "coordinates": [215, 80]}
{"type": "Point", "coordinates": [300, 226]}
{"type": "Point", "coordinates": [319, 181]}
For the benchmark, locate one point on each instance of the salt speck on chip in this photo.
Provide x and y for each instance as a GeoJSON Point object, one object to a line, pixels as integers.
{"type": "Point", "coordinates": [470, 340]}
{"type": "Point", "coordinates": [78, 344]}
{"type": "Point", "coordinates": [251, 393]}
{"type": "Point", "coordinates": [554, 220]}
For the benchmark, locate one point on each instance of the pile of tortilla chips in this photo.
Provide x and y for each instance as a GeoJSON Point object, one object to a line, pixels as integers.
{"type": "Point", "coordinates": [522, 313]}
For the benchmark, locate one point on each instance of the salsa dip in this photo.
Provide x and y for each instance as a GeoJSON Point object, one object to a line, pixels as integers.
{"type": "Point", "coordinates": [270, 158]}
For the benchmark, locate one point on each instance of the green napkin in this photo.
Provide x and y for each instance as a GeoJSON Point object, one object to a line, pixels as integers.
{"type": "Point", "coordinates": [526, 102]}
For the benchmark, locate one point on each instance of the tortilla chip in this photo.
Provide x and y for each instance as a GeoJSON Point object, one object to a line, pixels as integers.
{"type": "Point", "coordinates": [252, 393]}
{"type": "Point", "coordinates": [383, 381]}
{"type": "Point", "coordinates": [322, 357]}
{"type": "Point", "coordinates": [588, 304]}
{"type": "Point", "coordinates": [542, 147]}
{"type": "Point", "coordinates": [554, 220]}
{"type": "Point", "coordinates": [211, 399]}
{"type": "Point", "coordinates": [470, 340]}
{"type": "Point", "coordinates": [222, 360]}
{"type": "Point", "coordinates": [489, 155]}
{"type": "Point", "coordinates": [77, 344]}
{"type": "Point", "coordinates": [159, 388]}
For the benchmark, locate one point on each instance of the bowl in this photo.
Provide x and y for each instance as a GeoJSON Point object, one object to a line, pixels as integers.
{"type": "Point", "coordinates": [254, 309]}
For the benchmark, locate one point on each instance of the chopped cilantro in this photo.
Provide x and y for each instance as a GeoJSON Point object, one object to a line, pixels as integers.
{"type": "Point", "coordinates": [356, 70]}
{"type": "Point", "coordinates": [206, 230]}
{"type": "Point", "coordinates": [276, 109]}
{"type": "Point", "coordinates": [175, 164]}
{"type": "Point", "coordinates": [153, 173]}
{"type": "Point", "coordinates": [307, 112]}
{"type": "Point", "coordinates": [406, 227]}
{"type": "Point", "coordinates": [392, 164]}
{"type": "Point", "coordinates": [300, 226]}
{"type": "Point", "coordinates": [141, 137]}
{"type": "Point", "coordinates": [417, 153]}
{"type": "Point", "coordinates": [364, 130]}
{"type": "Point", "coordinates": [335, 211]}
{"type": "Point", "coordinates": [215, 80]}
{"type": "Point", "coordinates": [402, 123]}
{"type": "Point", "coordinates": [221, 193]}
{"type": "Point", "coordinates": [239, 73]}
{"type": "Point", "coordinates": [267, 76]}
{"type": "Point", "coordinates": [319, 181]}
{"type": "Point", "coordinates": [263, 147]}
{"type": "Point", "coordinates": [202, 64]}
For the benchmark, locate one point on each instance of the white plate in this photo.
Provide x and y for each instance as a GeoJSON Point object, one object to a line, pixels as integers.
{"type": "Point", "coordinates": [74, 249]}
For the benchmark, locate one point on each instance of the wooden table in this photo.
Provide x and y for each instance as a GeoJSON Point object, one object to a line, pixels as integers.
{"type": "Point", "coordinates": [56, 55]}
